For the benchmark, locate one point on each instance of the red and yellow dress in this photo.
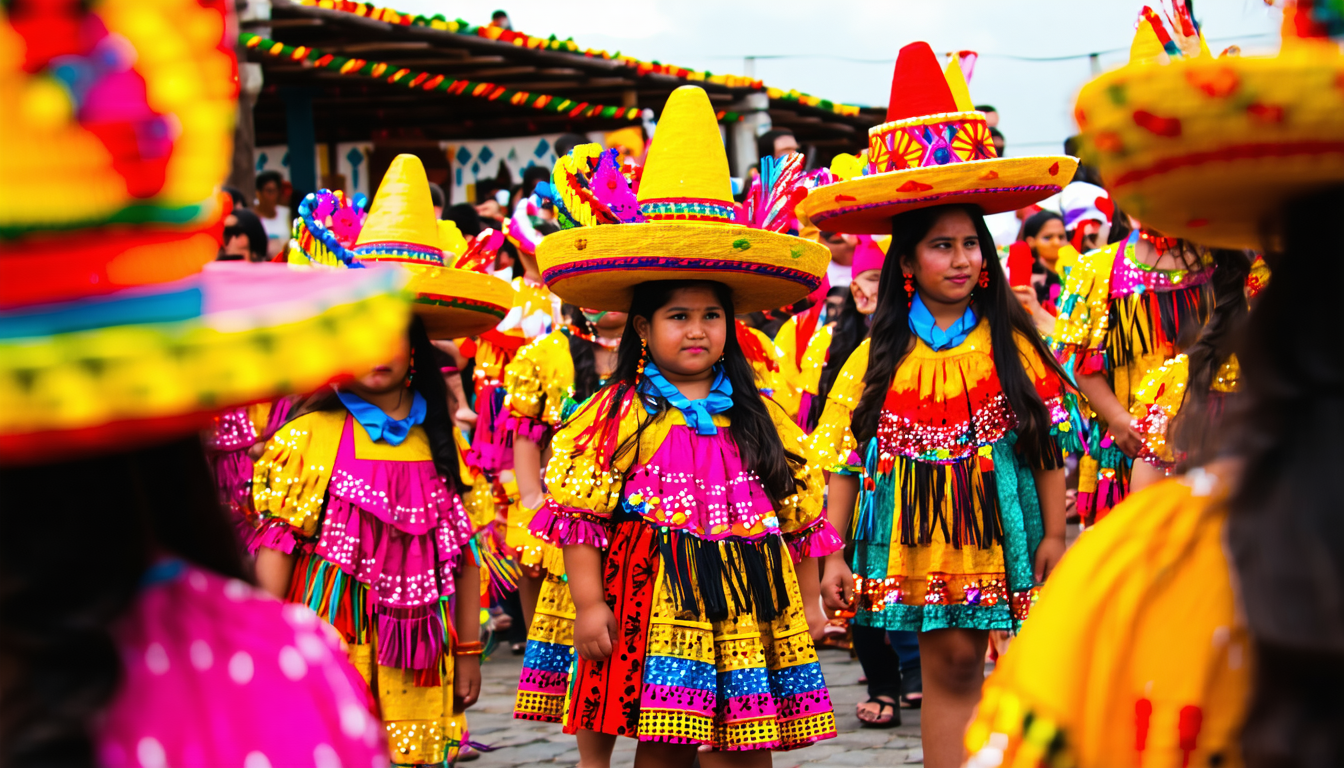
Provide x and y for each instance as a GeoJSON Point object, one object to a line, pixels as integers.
{"type": "Point", "coordinates": [698, 569]}
{"type": "Point", "coordinates": [1159, 398]}
{"type": "Point", "coordinates": [765, 358]}
{"type": "Point", "coordinates": [377, 536]}
{"type": "Point", "coordinates": [1136, 654]}
{"type": "Point", "coordinates": [1122, 318]}
{"type": "Point", "coordinates": [792, 341]}
{"type": "Point", "coordinates": [948, 519]}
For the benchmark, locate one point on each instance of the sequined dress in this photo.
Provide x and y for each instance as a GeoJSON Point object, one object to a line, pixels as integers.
{"type": "Point", "coordinates": [699, 571]}
{"type": "Point", "coordinates": [376, 536]}
{"type": "Point", "coordinates": [1122, 318]}
{"type": "Point", "coordinates": [948, 518]}
{"type": "Point", "coordinates": [1160, 397]}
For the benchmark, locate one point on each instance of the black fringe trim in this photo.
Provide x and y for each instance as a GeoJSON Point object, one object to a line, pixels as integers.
{"type": "Point", "coordinates": [753, 571]}
{"type": "Point", "coordinates": [925, 502]}
{"type": "Point", "coordinates": [1185, 309]}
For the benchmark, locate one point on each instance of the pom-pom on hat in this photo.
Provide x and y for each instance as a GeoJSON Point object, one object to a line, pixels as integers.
{"type": "Point", "coordinates": [681, 225]}
{"type": "Point", "coordinates": [1209, 148]}
{"type": "Point", "coordinates": [116, 330]}
{"type": "Point", "coordinates": [934, 149]}
{"type": "Point", "coordinates": [400, 228]}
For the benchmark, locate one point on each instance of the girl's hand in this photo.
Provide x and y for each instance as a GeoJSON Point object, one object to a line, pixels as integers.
{"type": "Point", "coordinates": [1125, 437]}
{"type": "Point", "coordinates": [532, 501]}
{"type": "Point", "coordinates": [594, 632]}
{"type": "Point", "coordinates": [1048, 555]}
{"type": "Point", "coordinates": [837, 584]}
{"type": "Point", "coordinates": [466, 681]}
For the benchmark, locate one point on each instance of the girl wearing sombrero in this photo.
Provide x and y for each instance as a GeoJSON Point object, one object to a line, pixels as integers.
{"type": "Point", "coordinates": [130, 634]}
{"type": "Point", "coordinates": [1199, 624]}
{"type": "Point", "coordinates": [943, 429]}
{"type": "Point", "coordinates": [360, 498]}
{"type": "Point", "coordinates": [686, 506]}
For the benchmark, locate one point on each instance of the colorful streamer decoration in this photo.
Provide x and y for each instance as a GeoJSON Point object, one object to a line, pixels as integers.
{"type": "Point", "coordinates": [426, 81]}
{"type": "Point", "coordinates": [523, 40]}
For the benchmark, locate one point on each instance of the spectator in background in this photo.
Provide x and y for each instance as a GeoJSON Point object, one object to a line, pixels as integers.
{"type": "Point", "coordinates": [491, 207]}
{"type": "Point", "coordinates": [500, 19]}
{"type": "Point", "coordinates": [776, 143]}
{"type": "Point", "coordinates": [996, 136]}
{"type": "Point", "coordinates": [567, 141]}
{"type": "Point", "coordinates": [991, 115]}
{"type": "Point", "coordinates": [236, 195]}
{"type": "Point", "coordinates": [437, 199]}
{"type": "Point", "coordinates": [244, 237]}
{"type": "Point", "coordinates": [275, 218]}
{"type": "Point", "coordinates": [467, 219]}
{"type": "Point", "coordinates": [840, 270]}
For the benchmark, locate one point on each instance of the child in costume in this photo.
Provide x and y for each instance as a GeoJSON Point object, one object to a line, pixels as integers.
{"type": "Point", "coordinates": [361, 498]}
{"type": "Point", "coordinates": [941, 428]}
{"type": "Point", "coordinates": [1202, 377]}
{"type": "Point", "coordinates": [131, 635]}
{"type": "Point", "coordinates": [1197, 624]}
{"type": "Point", "coordinates": [1125, 310]}
{"type": "Point", "coordinates": [681, 497]}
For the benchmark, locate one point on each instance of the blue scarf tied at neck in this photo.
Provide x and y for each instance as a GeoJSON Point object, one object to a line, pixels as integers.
{"type": "Point", "coordinates": [698, 413]}
{"type": "Point", "coordinates": [922, 323]}
{"type": "Point", "coordinates": [377, 423]}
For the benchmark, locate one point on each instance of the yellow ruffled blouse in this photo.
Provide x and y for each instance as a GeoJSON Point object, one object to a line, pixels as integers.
{"type": "Point", "coordinates": [1158, 400]}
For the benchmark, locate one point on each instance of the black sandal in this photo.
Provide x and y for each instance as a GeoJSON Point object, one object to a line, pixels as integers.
{"type": "Point", "coordinates": [912, 685]}
{"type": "Point", "coordinates": [882, 707]}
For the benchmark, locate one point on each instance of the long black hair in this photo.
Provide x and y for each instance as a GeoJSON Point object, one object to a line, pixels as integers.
{"type": "Point", "coordinates": [1195, 431]}
{"type": "Point", "coordinates": [1285, 527]}
{"type": "Point", "coordinates": [752, 428]}
{"type": "Point", "coordinates": [78, 537]}
{"type": "Point", "coordinates": [584, 355]}
{"type": "Point", "coordinates": [427, 380]}
{"type": "Point", "coordinates": [850, 330]}
{"type": "Point", "coordinates": [892, 338]}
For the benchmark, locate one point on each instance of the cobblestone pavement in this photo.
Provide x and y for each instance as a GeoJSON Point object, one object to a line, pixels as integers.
{"type": "Point", "coordinates": [526, 744]}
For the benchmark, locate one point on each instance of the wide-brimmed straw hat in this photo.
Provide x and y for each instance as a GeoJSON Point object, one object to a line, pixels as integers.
{"type": "Point", "coordinates": [1210, 148]}
{"type": "Point", "coordinates": [116, 331]}
{"type": "Point", "coordinates": [934, 149]}
{"type": "Point", "coordinates": [681, 224]}
{"type": "Point", "coordinates": [400, 228]}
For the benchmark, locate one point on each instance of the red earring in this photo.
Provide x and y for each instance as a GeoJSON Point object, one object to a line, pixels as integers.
{"type": "Point", "coordinates": [910, 288]}
{"type": "Point", "coordinates": [643, 356]}
{"type": "Point", "coordinates": [984, 278]}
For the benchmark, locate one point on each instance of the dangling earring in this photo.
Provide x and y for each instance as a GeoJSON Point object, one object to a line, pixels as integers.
{"type": "Point", "coordinates": [909, 289]}
{"type": "Point", "coordinates": [410, 374]}
{"type": "Point", "coordinates": [984, 278]}
{"type": "Point", "coordinates": [643, 356]}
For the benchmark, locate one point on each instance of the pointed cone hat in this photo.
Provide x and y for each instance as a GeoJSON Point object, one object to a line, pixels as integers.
{"type": "Point", "coordinates": [400, 229]}
{"type": "Point", "coordinates": [933, 150]}
{"type": "Point", "coordinates": [1209, 149]}
{"type": "Point", "coordinates": [680, 226]}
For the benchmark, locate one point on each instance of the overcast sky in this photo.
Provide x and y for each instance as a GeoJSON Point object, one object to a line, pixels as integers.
{"type": "Point", "coordinates": [843, 50]}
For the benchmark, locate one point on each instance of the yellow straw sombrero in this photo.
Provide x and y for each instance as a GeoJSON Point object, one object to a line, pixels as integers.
{"type": "Point", "coordinates": [116, 331]}
{"type": "Point", "coordinates": [400, 229]}
{"type": "Point", "coordinates": [681, 225]}
{"type": "Point", "coordinates": [934, 149]}
{"type": "Point", "coordinates": [1208, 148]}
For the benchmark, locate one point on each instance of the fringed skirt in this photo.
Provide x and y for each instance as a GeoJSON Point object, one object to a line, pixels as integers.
{"type": "Point", "coordinates": [416, 705]}
{"type": "Point", "coordinates": [748, 678]}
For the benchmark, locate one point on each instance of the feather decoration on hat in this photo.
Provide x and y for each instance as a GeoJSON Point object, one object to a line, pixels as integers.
{"type": "Point", "coordinates": [610, 186]}
{"type": "Point", "coordinates": [576, 205]}
{"type": "Point", "coordinates": [481, 251]}
{"type": "Point", "coordinates": [327, 227]}
{"type": "Point", "coordinates": [775, 192]}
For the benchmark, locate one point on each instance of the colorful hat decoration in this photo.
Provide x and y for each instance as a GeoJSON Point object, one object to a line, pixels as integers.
{"type": "Point", "coordinates": [115, 330]}
{"type": "Point", "coordinates": [868, 255]}
{"type": "Point", "coordinates": [400, 228]}
{"type": "Point", "coordinates": [680, 224]}
{"type": "Point", "coordinates": [934, 149]}
{"type": "Point", "coordinates": [1210, 148]}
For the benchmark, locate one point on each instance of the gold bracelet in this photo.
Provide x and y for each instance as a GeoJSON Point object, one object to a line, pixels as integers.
{"type": "Point", "coordinates": [469, 649]}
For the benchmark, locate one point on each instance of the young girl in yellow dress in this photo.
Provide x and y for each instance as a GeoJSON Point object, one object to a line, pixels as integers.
{"type": "Point", "coordinates": [681, 497]}
{"type": "Point", "coordinates": [941, 428]}
{"type": "Point", "coordinates": [360, 499]}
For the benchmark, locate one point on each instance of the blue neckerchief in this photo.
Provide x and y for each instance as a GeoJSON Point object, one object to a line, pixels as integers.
{"type": "Point", "coordinates": [922, 323]}
{"type": "Point", "coordinates": [377, 423]}
{"type": "Point", "coordinates": [698, 413]}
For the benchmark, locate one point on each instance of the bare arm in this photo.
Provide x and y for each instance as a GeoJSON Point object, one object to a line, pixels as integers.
{"type": "Point", "coordinates": [467, 622]}
{"type": "Point", "coordinates": [809, 587]}
{"type": "Point", "coordinates": [527, 471]}
{"type": "Point", "coordinates": [275, 571]}
{"type": "Point", "coordinates": [1050, 491]}
{"type": "Point", "coordinates": [837, 587]}
{"type": "Point", "coordinates": [1120, 424]}
{"type": "Point", "coordinates": [594, 624]}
